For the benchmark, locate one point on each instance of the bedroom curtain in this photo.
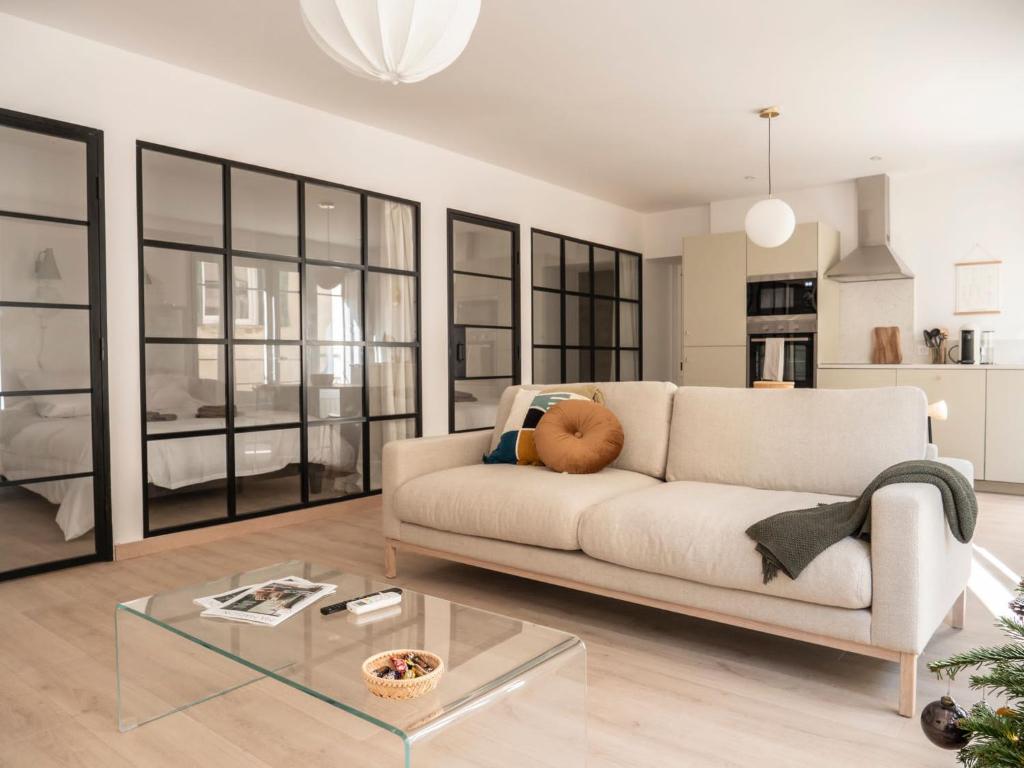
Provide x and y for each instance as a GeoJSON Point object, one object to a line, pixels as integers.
{"type": "Point", "coordinates": [392, 308]}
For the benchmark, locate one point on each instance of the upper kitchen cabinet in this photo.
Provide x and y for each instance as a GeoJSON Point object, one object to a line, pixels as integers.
{"type": "Point", "coordinates": [962, 435]}
{"type": "Point", "coordinates": [797, 255]}
{"type": "Point", "coordinates": [715, 290]}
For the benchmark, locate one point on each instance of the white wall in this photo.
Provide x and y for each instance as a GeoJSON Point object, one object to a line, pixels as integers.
{"type": "Point", "coordinates": [939, 218]}
{"type": "Point", "coordinates": [47, 72]}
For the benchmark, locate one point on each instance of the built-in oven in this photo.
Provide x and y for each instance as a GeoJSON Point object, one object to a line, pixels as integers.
{"type": "Point", "coordinates": [786, 295]}
{"type": "Point", "coordinates": [795, 336]}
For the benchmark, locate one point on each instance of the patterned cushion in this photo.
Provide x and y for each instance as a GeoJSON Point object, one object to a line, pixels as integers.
{"type": "Point", "coordinates": [516, 444]}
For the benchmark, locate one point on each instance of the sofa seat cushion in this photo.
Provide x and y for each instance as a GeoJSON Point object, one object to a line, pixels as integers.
{"type": "Point", "coordinates": [511, 502]}
{"type": "Point", "coordinates": [695, 531]}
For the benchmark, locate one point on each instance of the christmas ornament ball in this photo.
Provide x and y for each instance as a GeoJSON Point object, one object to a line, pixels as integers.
{"type": "Point", "coordinates": [939, 721]}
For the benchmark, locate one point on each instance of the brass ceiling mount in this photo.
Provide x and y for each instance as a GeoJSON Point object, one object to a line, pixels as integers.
{"type": "Point", "coordinates": [768, 112]}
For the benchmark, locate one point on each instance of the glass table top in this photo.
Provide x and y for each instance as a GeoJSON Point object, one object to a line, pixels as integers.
{"type": "Point", "coordinates": [321, 655]}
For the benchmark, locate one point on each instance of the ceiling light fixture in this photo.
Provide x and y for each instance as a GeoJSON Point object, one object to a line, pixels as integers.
{"type": "Point", "coordinates": [397, 41]}
{"type": "Point", "coordinates": [769, 223]}
{"type": "Point", "coordinates": [875, 157]}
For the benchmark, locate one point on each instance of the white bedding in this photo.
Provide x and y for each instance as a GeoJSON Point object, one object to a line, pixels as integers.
{"type": "Point", "coordinates": [32, 446]}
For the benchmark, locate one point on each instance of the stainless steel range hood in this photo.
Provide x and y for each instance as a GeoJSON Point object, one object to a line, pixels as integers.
{"type": "Point", "coordinates": [873, 259]}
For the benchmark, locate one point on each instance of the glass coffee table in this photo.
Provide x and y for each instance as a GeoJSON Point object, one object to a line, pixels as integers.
{"type": "Point", "coordinates": [513, 693]}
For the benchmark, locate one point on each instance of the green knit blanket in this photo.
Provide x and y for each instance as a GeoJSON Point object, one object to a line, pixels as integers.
{"type": "Point", "coordinates": [789, 541]}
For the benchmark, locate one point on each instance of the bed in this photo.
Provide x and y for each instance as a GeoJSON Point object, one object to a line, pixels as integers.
{"type": "Point", "coordinates": [34, 445]}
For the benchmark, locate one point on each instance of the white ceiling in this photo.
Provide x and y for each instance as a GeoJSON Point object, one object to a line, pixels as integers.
{"type": "Point", "coordinates": [647, 103]}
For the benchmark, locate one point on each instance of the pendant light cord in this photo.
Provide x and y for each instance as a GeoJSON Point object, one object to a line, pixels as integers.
{"type": "Point", "coordinates": [769, 157]}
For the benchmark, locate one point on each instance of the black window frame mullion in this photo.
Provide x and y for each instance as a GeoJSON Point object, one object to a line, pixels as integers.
{"type": "Point", "coordinates": [229, 332]}
{"type": "Point", "coordinates": [99, 436]}
{"type": "Point", "coordinates": [303, 415]}
{"type": "Point", "coordinates": [364, 282]}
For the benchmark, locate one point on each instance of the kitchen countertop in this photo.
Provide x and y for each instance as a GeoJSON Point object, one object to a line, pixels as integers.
{"type": "Point", "coordinates": [929, 366]}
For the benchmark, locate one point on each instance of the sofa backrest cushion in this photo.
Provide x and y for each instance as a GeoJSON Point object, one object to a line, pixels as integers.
{"type": "Point", "coordinates": [812, 440]}
{"type": "Point", "coordinates": [644, 408]}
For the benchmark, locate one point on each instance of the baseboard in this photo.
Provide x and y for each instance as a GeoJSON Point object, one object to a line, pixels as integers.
{"type": "Point", "coordinates": [994, 486]}
{"type": "Point", "coordinates": [210, 533]}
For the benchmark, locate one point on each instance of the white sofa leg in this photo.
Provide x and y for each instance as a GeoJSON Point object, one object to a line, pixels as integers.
{"type": "Point", "coordinates": [959, 611]}
{"type": "Point", "coordinates": [908, 684]}
{"type": "Point", "coordinates": [390, 559]}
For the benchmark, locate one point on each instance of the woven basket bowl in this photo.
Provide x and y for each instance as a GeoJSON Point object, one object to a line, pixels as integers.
{"type": "Point", "coordinates": [401, 689]}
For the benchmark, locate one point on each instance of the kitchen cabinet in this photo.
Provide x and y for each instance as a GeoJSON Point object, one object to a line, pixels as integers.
{"type": "Point", "coordinates": [1004, 426]}
{"type": "Point", "coordinates": [963, 434]}
{"type": "Point", "coordinates": [715, 291]}
{"type": "Point", "coordinates": [798, 254]}
{"type": "Point", "coordinates": [856, 378]}
{"type": "Point", "coordinates": [715, 366]}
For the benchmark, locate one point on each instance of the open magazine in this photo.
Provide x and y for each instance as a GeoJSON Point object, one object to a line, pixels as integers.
{"type": "Point", "coordinates": [269, 602]}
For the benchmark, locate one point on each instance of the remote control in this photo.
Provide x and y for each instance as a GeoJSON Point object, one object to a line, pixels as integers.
{"type": "Point", "coordinates": [373, 602]}
{"type": "Point", "coordinates": [327, 610]}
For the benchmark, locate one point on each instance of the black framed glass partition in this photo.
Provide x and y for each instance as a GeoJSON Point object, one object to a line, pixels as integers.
{"type": "Point", "coordinates": [483, 317]}
{"type": "Point", "coordinates": [54, 481]}
{"type": "Point", "coordinates": [587, 311]}
{"type": "Point", "coordinates": [280, 337]}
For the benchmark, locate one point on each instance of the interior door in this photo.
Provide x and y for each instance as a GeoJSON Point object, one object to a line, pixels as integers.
{"type": "Point", "coordinates": [53, 499]}
{"type": "Point", "coordinates": [483, 258]}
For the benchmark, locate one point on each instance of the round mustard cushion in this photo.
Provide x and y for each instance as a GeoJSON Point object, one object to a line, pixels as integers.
{"type": "Point", "coordinates": [579, 437]}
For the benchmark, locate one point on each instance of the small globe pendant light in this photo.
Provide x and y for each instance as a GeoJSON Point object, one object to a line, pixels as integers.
{"type": "Point", "coordinates": [769, 223]}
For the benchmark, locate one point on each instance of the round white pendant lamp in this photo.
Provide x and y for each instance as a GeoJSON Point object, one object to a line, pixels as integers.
{"type": "Point", "coordinates": [769, 223]}
{"type": "Point", "coordinates": [397, 41]}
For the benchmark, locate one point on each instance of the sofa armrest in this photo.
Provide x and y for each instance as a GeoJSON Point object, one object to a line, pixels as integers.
{"type": "Point", "coordinates": [403, 460]}
{"type": "Point", "coordinates": [918, 568]}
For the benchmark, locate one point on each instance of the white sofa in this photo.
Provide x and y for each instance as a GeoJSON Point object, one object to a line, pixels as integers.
{"type": "Point", "coordinates": [664, 525]}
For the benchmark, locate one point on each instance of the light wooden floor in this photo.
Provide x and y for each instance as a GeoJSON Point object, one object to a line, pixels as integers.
{"type": "Point", "coordinates": [665, 690]}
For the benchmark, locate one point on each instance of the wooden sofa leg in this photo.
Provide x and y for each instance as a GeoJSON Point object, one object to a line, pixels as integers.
{"type": "Point", "coordinates": [390, 559]}
{"type": "Point", "coordinates": [959, 611]}
{"type": "Point", "coordinates": [908, 684]}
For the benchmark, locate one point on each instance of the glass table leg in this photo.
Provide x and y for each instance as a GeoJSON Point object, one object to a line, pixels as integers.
{"type": "Point", "coordinates": [536, 718]}
{"type": "Point", "coordinates": [160, 672]}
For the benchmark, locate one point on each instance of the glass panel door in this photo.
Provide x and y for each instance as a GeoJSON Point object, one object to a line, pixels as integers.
{"type": "Point", "coordinates": [484, 317]}
{"type": "Point", "coordinates": [280, 321]}
{"type": "Point", "coordinates": [587, 311]}
{"type": "Point", "coordinates": [53, 455]}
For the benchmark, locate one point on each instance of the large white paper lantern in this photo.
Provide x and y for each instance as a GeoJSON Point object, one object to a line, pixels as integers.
{"type": "Point", "coordinates": [770, 222]}
{"type": "Point", "coordinates": [397, 41]}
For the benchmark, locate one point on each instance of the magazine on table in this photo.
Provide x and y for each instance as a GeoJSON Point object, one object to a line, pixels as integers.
{"type": "Point", "coordinates": [269, 602]}
{"type": "Point", "coordinates": [218, 600]}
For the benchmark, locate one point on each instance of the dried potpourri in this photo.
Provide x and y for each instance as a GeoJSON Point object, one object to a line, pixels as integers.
{"type": "Point", "coordinates": [408, 666]}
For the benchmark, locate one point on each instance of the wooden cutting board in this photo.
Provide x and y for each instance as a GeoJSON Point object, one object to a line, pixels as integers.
{"type": "Point", "coordinates": [886, 348]}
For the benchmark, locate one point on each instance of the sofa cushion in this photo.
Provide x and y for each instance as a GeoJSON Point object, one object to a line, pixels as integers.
{"type": "Point", "coordinates": [695, 531]}
{"type": "Point", "coordinates": [814, 440]}
{"type": "Point", "coordinates": [579, 437]}
{"type": "Point", "coordinates": [644, 408]}
{"type": "Point", "coordinates": [512, 502]}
